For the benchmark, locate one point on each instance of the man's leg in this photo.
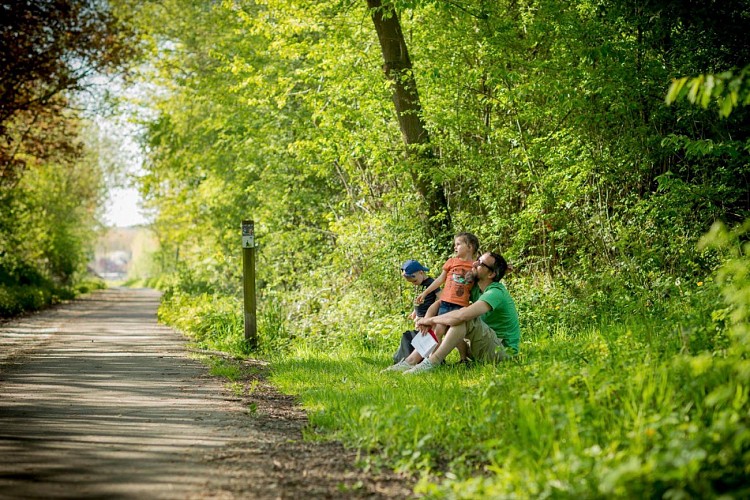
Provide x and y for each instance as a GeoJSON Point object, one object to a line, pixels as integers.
{"type": "Point", "coordinates": [405, 364]}
{"type": "Point", "coordinates": [485, 345]}
{"type": "Point", "coordinates": [463, 351]}
{"type": "Point", "coordinates": [414, 358]}
{"type": "Point", "coordinates": [454, 335]}
{"type": "Point", "coordinates": [451, 339]}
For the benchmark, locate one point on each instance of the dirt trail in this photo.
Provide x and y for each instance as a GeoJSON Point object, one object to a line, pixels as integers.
{"type": "Point", "coordinates": [97, 400]}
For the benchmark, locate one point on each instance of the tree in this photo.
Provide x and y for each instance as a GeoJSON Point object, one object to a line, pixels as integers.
{"type": "Point", "coordinates": [399, 72]}
{"type": "Point", "coordinates": [50, 188]}
{"type": "Point", "coordinates": [48, 50]}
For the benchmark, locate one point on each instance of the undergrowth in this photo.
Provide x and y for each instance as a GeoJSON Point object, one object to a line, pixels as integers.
{"type": "Point", "coordinates": [648, 398]}
{"type": "Point", "coordinates": [18, 299]}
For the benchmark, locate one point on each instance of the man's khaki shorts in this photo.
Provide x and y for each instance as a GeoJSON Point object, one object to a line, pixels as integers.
{"type": "Point", "coordinates": [485, 346]}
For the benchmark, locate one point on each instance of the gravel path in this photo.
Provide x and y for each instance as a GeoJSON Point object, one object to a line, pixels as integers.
{"type": "Point", "coordinates": [97, 400]}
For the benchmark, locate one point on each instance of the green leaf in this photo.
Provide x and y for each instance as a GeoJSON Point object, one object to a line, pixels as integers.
{"type": "Point", "coordinates": [675, 88]}
{"type": "Point", "coordinates": [695, 86]}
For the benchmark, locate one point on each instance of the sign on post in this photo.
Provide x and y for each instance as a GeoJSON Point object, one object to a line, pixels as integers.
{"type": "Point", "coordinates": [248, 282]}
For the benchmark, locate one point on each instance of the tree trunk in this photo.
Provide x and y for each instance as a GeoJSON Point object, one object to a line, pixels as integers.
{"type": "Point", "coordinates": [398, 70]}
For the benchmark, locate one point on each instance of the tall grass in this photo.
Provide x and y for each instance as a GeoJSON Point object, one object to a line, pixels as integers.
{"type": "Point", "coordinates": [627, 405]}
{"type": "Point", "coordinates": [606, 412]}
{"type": "Point", "coordinates": [216, 322]}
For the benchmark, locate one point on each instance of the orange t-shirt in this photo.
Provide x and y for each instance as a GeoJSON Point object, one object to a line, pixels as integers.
{"type": "Point", "coordinates": [457, 285]}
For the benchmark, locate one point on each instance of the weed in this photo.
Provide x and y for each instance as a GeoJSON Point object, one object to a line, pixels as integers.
{"type": "Point", "coordinates": [222, 368]}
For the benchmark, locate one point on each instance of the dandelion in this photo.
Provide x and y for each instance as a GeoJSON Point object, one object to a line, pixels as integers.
{"type": "Point", "coordinates": [700, 283]}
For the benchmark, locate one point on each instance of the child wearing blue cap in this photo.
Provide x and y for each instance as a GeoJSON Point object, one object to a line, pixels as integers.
{"type": "Point", "coordinates": [416, 274]}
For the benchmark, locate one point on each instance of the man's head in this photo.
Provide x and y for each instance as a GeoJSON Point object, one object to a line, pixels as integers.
{"type": "Point", "coordinates": [413, 271]}
{"type": "Point", "coordinates": [491, 265]}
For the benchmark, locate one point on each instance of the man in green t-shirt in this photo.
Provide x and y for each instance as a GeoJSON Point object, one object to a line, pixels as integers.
{"type": "Point", "coordinates": [490, 323]}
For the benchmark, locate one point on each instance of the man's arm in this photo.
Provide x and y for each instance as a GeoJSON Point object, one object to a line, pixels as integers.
{"type": "Point", "coordinates": [431, 312]}
{"type": "Point", "coordinates": [458, 316]}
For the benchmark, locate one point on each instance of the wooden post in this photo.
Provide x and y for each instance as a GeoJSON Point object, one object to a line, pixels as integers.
{"type": "Point", "coordinates": [248, 282]}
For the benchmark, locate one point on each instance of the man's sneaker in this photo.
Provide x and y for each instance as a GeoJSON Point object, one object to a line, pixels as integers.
{"type": "Point", "coordinates": [425, 366]}
{"type": "Point", "coordinates": [401, 366]}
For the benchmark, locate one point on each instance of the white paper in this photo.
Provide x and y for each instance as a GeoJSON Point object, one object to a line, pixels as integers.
{"type": "Point", "coordinates": [424, 344]}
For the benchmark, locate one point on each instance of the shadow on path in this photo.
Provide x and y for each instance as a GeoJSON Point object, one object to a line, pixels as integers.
{"type": "Point", "coordinates": [97, 400]}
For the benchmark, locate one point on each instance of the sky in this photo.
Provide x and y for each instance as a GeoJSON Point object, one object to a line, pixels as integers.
{"type": "Point", "coordinates": [118, 133]}
{"type": "Point", "coordinates": [123, 208]}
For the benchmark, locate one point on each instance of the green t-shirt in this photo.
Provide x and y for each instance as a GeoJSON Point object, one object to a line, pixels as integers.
{"type": "Point", "coordinates": [502, 316]}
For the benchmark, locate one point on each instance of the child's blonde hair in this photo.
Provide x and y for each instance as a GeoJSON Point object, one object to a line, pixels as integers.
{"type": "Point", "coordinates": [470, 240]}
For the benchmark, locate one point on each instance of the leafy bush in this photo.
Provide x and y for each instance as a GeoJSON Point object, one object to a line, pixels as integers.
{"type": "Point", "coordinates": [15, 300]}
{"type": "Point", "coordinates": [9, 303]}
{"type": "Point", "coordinates": [89, 284]}
{"type": "Point", "coordinates": [645, 399]}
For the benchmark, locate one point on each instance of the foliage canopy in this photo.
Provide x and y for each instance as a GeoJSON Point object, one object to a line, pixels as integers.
{"type": "Point", "coordinates": [51, 185]}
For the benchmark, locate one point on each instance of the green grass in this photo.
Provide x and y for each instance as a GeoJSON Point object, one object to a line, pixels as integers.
{"type": "Point", "coordinates": [611, 411]}
{"type": "Point", "coordinates": [644, 400]}
{"type": "Point", "coordinates": [655, 406]}
{"type": "Point", "coordinates": [228, 370]}
{"type": "Point", "coordinates": [649, 407]}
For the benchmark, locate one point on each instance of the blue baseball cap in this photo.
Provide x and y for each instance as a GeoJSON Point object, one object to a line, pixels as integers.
{"type": "Point", "coordinates": [412, 266]}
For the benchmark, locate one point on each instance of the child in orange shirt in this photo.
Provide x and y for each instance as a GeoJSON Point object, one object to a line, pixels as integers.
{"type": "Point", "coordinates": [458, 277]}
